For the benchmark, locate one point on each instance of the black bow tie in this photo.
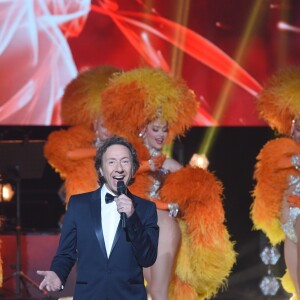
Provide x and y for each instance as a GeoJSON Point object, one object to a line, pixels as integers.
{"type": "Point", "coordinates": [109, 198]}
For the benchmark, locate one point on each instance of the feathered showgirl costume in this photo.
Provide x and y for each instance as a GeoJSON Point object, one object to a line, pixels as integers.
{"type": "Point", "coordinates": [206, 256]}
{"type": "Point", "coordinates": [279, 105]}
{"type": "Point", "coordinates": [71, 152]}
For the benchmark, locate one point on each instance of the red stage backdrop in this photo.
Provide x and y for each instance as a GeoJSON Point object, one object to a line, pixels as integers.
{"type": "Point", "coordinates": [224, 49]}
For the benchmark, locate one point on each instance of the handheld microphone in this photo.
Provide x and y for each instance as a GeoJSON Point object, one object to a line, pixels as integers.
{"type": "Point", "coordinates": [121, 188]}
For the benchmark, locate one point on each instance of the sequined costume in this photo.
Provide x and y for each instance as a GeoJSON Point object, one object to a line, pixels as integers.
{"type": "Point", "coordinates": [289, 226]}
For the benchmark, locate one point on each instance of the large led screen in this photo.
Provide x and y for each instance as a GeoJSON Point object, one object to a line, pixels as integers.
{"type": "Point", "coordinates": [224, 49]}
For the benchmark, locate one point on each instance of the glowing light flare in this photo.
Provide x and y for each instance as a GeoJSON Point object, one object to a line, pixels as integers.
{"type": "Point", "coordinates": [283, 5]}
{"type": "Point", "coordinates": [7, 192]}
{"type": "Point", "coordinates": [223, 26]}
{"type": "Point", "coordinates": [199, 161]}
{"type": "Point", "coordinates": [287, 27]}
{"type": "Point", "coordinates": [274, 6]}
{"type": "Point", "coordinates": [193, 44]}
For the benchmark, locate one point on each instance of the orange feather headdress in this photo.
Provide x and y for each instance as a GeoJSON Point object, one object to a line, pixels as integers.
{"type": "Point", "coordinates": [134, 98]}
{"type": "Point", "coordinates": [279, 101]}
{"type": "Point", "coordinates": [81, 102]}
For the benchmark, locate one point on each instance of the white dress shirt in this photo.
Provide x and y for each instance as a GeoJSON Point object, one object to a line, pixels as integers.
{"type": "Point", "coordinates": [110, 219]}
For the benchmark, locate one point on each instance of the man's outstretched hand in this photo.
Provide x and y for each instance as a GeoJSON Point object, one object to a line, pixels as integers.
{"type": "Point", "coordinates": [51, 281]}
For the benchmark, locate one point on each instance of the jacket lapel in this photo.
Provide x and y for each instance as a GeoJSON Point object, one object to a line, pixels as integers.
{"type": "Point", "coordinates": [95, 206]}
{"type": "Point", "coordinates": [117, 236]}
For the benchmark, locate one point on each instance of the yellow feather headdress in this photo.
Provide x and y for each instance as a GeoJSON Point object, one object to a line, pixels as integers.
{"type": "Point", "coordinates": [81, 102]}
{"type": "Point", "coordinates": [134, 98]}
{"type": "Point", "coordinates": [279, 101]}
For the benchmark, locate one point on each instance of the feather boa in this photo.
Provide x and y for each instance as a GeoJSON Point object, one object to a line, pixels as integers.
{"type": "Point", "coordinates": [288, 285]}
{"type": "Point", "coordinates": [205, 243]}
{"type": "Point", "coordinates": [271, 182]}
{"type": "Point", "coordinates": [80, 175]}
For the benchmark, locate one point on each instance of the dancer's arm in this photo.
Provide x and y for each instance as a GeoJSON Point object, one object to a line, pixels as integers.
{"type": "Point", "coordinates": [81, 153]}
{"type": "Point", "coordinates": [152, 164]}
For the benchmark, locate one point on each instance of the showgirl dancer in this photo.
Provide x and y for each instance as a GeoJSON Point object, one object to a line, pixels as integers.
{"type": "Point", "coordinates": [277, 172]}
{"type": "Point", "coordinates": [195, 255]}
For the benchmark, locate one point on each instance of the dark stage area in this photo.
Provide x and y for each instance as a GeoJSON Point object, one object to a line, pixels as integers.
{"type": "Point", "coordinates": [232, 159]}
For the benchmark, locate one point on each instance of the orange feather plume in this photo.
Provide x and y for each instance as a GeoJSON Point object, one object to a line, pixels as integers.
{"type": "Point", "coordinates": [205, 234]}
{"type": "Point", "coordinates": [278, 103]}
{"type": "Point", "coordinates": [136, 97]}
{"type": "Point", "coordinates": [81, 102]}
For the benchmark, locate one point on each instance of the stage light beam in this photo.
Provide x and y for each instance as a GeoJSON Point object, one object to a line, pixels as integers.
{"type": "Point", "coordinates": [220, 110]}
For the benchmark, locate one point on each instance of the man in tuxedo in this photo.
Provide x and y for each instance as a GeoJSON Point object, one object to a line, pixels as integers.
{"type": "Point", "coordinates": [110, 256]}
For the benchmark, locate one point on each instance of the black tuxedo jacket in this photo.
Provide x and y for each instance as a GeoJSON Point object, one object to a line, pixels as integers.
{"type": "Point", "coordinates": [98, 277]}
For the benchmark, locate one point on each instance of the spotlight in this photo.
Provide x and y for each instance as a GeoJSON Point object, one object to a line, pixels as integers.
{"type": "Point", "coordinates": [6, 192]}
{"type": "Point", "coordinates": [199, 160]}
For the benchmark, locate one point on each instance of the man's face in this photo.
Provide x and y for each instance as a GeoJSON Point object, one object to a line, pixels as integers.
{"type": "Point", "coordinates": [116, 166]}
